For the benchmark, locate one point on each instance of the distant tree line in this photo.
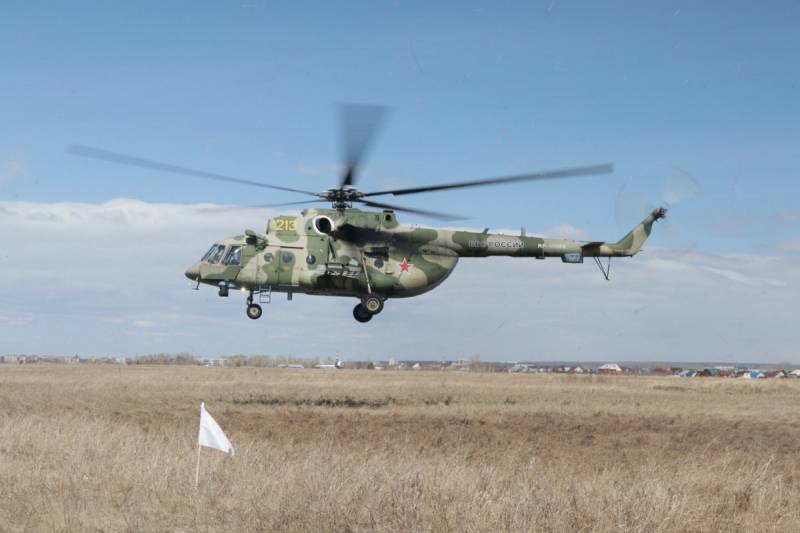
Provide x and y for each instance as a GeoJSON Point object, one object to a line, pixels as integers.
{"type": "Point", "coordinates": [166, 359]}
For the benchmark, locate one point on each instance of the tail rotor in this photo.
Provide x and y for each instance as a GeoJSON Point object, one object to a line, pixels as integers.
{"type": "Point", "coordinates": [675, 192]}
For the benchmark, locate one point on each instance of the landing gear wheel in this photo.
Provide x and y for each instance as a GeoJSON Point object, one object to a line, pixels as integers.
{"type": "Point", "coordinates": [361, 314]}
{"type": "Point", "coordinates": [372, 304]}
{"type": "Point", "coordinates": [254, 311]}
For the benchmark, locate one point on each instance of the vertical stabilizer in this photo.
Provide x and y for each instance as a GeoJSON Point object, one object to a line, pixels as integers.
{"type": "Point", "coordinates": [631, 243]}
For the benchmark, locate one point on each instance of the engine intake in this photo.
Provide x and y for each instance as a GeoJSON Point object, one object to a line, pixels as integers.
{"type": "Point", "coordinates": [324, 225]}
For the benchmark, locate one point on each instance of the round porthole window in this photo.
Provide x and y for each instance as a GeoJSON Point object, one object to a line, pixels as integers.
{"type": "Point", "coordinates": [287, 258]}
{"type": "Point", "coordinates": [268, 257]}
{"type": "Point", "coordinates": [311, 259]}
{"type": "Point", "coordinates": [378, 263]}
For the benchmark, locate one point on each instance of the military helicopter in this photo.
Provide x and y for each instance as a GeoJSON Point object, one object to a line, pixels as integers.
{"type": "Point", "coordinates": [365, 254]}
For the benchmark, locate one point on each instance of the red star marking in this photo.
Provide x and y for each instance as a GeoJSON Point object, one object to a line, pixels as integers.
{"type": "Point", "coordinates": [405, 266]}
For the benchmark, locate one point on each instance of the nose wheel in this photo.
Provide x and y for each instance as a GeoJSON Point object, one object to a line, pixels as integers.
{"type": "Point", "coordinates": [254, 311]}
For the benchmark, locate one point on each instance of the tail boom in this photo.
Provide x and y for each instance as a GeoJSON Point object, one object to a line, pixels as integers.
{"type": "Point", "coordinates": [470, 244]}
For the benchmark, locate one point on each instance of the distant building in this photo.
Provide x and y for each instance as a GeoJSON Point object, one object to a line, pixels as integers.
{"type": "Point", "coordinates": [610, 368]}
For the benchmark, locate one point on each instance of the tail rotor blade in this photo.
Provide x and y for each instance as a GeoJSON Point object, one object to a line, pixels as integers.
{"type": "Point", "coordinates": [634, 202]}
{"type": "Point", "coordinates": [631, 205]}
{"type": "Point", "coordinates": [680, 187]}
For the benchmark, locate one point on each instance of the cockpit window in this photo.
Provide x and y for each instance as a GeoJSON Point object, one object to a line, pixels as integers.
{"type": "Point", "coordinates": [234, 256]}
{"type": "Point", "coordinates": [209, 252]}
{"type": "Point", "coordinates": [215, 253]}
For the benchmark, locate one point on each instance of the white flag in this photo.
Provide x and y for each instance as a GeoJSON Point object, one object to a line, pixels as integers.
{"type": "Point", "coordinates": [211, 435]}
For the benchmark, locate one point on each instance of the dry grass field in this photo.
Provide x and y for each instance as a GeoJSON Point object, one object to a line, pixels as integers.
{"type": "Point", "coordinates": [95, 448]}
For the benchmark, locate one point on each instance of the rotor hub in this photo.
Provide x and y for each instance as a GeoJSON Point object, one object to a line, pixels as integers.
{"type": "Point", "coordinates": [342, 198]}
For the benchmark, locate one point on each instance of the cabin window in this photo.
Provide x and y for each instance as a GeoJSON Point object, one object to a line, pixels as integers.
{"type": "Point", "coordinates": [268, 257]}
{"type": "Point", "coordinates": [216, 254]}
{"type": "Point", "coordinates": [234, 256]}
{"type": "Point", "coordinates": [311, 259]}
{"type": "Point", "coordinates": [287, 258]}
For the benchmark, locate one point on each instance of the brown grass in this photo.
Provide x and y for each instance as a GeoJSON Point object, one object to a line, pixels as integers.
{"type": "Point", "coordinates": [113, 449]}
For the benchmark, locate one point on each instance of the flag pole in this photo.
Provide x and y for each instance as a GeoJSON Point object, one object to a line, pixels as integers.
{"type": "Point", "coordinates": [197, 470]}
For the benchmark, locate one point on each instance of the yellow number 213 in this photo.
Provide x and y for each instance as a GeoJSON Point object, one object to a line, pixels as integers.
{"type": "Point", "coordinates": [286, 224]}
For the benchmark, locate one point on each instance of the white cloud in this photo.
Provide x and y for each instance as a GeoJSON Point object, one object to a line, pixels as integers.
{"type": "Point", "coordinates": [567, 231]}
{"type": "Point", "coordinates": [11, 168]}
{"type": "Point", "coordinates": [122, 215]}
{"type": "Point", "coordinates": [16, 319]}
{"type": "Point", "coordinates": [108, 279]}
{"type": "Point", "coordinates": [739, 277]}
{"type": "Point", "coordinates": [791, 246]}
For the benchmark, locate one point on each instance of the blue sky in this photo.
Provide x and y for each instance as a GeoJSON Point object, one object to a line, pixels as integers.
{"type": "Point", "coordinates": [477, 89]}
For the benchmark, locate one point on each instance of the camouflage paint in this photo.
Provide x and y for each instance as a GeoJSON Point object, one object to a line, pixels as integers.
{"type": "Point", "coordinates": [371, 250]}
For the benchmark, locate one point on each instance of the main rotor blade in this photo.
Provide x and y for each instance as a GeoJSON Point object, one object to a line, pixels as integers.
{"type": "Point", "coordinates": [431, 214]}
{"type": "Point", "coordinates": [261, 206]}
{"type": "Point", "coordinates": [123, 159]}
{"type": "Point", "coordinates": [285, 204]}
{"type": "Point", "coordinates": [536, 176]}
{"type": "Point", "coordinates": [359, 125]}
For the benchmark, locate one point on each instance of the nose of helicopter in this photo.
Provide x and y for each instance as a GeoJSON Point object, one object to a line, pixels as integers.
{"type": "Point", "coordinates": [193, 272]}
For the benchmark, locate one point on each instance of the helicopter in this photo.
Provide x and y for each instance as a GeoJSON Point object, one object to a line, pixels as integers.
{"type": "Point", "coordinates": [367, 254]}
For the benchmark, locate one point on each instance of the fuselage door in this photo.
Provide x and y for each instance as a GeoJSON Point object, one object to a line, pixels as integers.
{"type": "Point", "coordinates": [232, 262]}
{"type": "Point", "coordinates": [269, 260]}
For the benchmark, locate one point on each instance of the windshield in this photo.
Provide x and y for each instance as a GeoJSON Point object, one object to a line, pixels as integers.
{"type": "Point", "coordinates": [209, 252]}
{"type": "Point", "coordinates": [215, 253]}
{"type": "Point", "coordinates": [234, 256]}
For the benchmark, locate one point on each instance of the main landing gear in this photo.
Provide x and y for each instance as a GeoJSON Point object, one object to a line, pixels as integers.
{"type": "Point", "coordinates": [369, 307]}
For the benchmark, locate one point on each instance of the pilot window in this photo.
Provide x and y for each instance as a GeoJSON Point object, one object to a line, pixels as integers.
{"type": "Point", "coordinates": [234, 256]}
{"type": "Point", "coordinates": [209, 252]}
{"type": "Point", "coordinates": [216, 254]}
